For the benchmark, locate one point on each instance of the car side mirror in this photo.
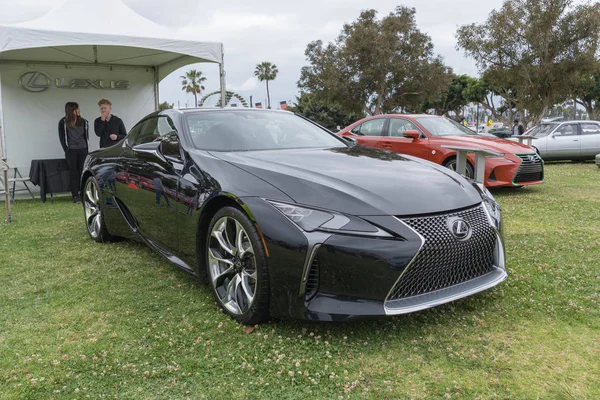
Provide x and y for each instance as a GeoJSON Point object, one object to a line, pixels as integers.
{"type": "Point", "coordinates": [412, 133]}
{"type": "Point", "coordinates": [350, 140]}
{"type": "Point", "coordinates": [150, 151]}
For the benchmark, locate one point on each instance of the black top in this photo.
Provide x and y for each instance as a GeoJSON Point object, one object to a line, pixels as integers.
{"type": "Point", "coordinates": [66, 140]}
{"type": "Point", "coordinates": [76, 137]}
{"type": "Point", "coordinates": [114, 126]}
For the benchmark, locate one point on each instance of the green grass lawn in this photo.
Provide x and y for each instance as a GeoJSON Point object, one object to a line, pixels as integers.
{"type": "Point", "coordinates": [86, 320]}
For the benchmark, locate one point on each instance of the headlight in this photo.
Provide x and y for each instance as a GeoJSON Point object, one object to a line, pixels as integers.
{"type": "Point", "coordinates": [499, 157]}
{"type": "Point", "coordinates": [310, 220]}
{"type": "Point", "coordinates": [491, 205]}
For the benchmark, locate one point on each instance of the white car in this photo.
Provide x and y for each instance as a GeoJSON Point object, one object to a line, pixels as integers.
{"type": "Point", "coordinates": [569, 140]}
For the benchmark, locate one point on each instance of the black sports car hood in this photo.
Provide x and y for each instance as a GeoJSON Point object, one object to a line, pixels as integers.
{"type": "Point", "coordinates": [358, 181]}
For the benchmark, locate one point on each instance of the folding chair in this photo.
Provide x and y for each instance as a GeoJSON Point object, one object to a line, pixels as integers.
{"type": "Point", "coordinates": [17, 178]}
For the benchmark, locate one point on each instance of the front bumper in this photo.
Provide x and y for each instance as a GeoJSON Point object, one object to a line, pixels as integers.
{"type": "Point", "coordinates": [335, 277]}
{"type": "Point", "coordinates": [514, 170]}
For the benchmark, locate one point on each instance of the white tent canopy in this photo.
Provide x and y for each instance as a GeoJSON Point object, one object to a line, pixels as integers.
{"type": "Point", "coordinates": [106, 35]}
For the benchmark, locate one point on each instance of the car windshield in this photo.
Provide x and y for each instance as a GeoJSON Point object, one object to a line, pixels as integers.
{"type": "Point", "coordinates": [541, 130]}
{"type": "Point", "coordinates": [438, 126]}
{"type": "Point", "coordinates": [238, 130]}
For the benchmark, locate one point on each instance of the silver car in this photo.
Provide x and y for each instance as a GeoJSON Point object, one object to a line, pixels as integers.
{"type": "Point", "coordinates": [569, 140]}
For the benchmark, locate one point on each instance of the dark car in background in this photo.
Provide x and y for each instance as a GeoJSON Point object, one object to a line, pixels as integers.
{"type": "Point", "coordinates": [283, 218]}
{"type": "Point", "coordinates": [501, 133]}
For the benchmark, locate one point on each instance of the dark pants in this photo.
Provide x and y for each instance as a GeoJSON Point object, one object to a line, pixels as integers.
{"type": "Point", "coordinates": [161, 192]}
{"type": "Point", "coordinates": [75, 159]}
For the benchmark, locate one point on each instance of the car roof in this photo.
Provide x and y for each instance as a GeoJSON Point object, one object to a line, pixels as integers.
{"type": "Point", "coordinates": [405, 116]}
{"type": "Point", "coordinates": [245, 109]}
{"type": "Point", "coordinates": [587, 121]}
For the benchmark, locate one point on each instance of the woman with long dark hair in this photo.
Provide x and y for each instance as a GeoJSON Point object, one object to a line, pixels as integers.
{"type": "Point", "coordinates": [73, 135]}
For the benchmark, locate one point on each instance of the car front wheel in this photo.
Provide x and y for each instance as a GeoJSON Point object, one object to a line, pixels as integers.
{"type": "Point", "coordinates": [94, 218]}
{"type": "Point", "coordinates": [237, 267]}
{"type": "Point", "coordinates": [451, 164]}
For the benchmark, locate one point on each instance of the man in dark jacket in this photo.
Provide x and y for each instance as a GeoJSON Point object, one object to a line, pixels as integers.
{"type": "Point", "coordinates": [517, 128]}
{"type": "Point", "coordinates": [109, 128]}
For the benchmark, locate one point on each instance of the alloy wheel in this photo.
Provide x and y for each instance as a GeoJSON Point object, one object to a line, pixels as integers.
{"type": "Point", "coordinates": [453, 164]}
{"type": "Point", "coordinates": [91, 204]}
{"type": "Point", "coordinates": [232, 265]}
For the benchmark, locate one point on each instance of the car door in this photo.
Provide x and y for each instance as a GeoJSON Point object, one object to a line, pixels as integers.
{"type": "Point", "coordinates": [395, 141]}
{"type": "Point", "coordinates": [590, 139]}
{"type": "Point", "coordinates": [564, 142]}
{"type": "Point", "coordinates": [151, 193]}
{"type": "Point", "coordinates": [369, 133]}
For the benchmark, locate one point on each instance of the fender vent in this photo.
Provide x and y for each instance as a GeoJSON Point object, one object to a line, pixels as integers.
{"type": "Point", "coordinates": [312, 282]}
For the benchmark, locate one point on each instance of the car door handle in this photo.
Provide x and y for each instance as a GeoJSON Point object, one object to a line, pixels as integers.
{"type": "Point", "coordinates": [576, 140]}
{"type": "Point", "coordinates": [386, 145]}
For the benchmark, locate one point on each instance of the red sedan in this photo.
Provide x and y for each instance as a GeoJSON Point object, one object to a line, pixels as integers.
{"type": "Point", "coordinates": [424, 135]}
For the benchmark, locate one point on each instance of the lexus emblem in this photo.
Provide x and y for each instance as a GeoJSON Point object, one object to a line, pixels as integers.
{"type": "Point", "coordinates": [34, 81]}
{"type": "Point", "coordinates": [531, 158]}
{"type": "Point", "coordinates": [459, 228]}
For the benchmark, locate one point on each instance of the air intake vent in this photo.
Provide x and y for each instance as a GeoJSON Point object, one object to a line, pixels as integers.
{"type": "Point", "coordinates": [312, 282]}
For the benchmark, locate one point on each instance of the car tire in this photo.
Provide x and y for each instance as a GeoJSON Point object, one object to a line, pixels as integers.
{"type": "Point", "coordinates": [451, 164]}
{"type": "Point", "coordinates": [237, 269]}
{"type": "Point", "coordinates": [92, 211]}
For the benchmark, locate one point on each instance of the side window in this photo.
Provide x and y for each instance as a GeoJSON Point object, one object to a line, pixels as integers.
{"type": "Point", "coordinates": [133, 135]}
{"type": "Point", "coordinates": [566, 130]}
{"type": "Point", "coordinates": [590, 129]}
{"type": "Point", "coordinates": [372, 127]}
{"type": "Point", "coordinates": [399, 125]}
{"type": "Point", "coordinates": [142, 132]}
{"type": "Point", "coordinates": [164, 126]}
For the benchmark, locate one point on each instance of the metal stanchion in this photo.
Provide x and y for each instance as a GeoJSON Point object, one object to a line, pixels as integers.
{"type": "Point", "coordinates": [4, 166]}
{"type": "Point", "coordinates": [525, 138]}
{"type": "Point", "coordinates": [480, 154]}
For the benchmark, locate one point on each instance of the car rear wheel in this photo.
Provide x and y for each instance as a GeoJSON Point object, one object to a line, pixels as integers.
{"type": "Point", "coordinates": [237, 267]}
{"type": "Point", "coordinates": [94, 219]}
{"type": "Point", "coordinates": [451, 164]}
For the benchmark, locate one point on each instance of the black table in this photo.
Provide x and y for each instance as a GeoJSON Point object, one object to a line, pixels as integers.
{"type": "Point", "coordinates": [52, 176]}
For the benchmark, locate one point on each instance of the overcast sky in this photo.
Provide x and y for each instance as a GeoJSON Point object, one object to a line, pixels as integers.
{"type": "Point", "coordinates": [276, 31]}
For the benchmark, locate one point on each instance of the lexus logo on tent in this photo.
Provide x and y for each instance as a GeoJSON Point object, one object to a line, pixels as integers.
{"type": "Point", "coordinates": [34, 81]}
{"type": "Point", "coordinates": [37, 82]}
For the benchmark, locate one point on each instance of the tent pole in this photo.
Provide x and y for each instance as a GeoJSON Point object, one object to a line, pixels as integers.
{"type": "Point", "coordinates": [3, 160]}
{"type": "Point", "coordinates": [156, 103]}
{"type": "Point", "coordinates": [222, 74]}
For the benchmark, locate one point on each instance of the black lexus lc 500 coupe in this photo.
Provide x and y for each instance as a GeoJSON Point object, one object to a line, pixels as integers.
{"type": "Point", "coordinates": [282, 218]}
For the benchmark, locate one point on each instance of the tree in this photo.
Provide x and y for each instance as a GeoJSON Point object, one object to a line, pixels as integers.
{"type": "Point", "coordinates": [265, 72]}
{"type": "Point", "coordinates": [192, 83]}
{"type": "Point", "coordinates": [528, 50]}
{"type": "Point", "coordinates": [587, 92]}
{"type": "Point", "coordinates": [376, 65]}
{"type": "Point", "coordinates": [328, 115]}
{"type": "Point", "coordinates": [453, 99]}
{"type": "Point", "coordinates": [165, 105]}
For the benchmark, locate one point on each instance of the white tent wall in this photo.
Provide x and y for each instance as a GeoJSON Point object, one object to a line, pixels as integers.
{"type": "Point", "coordinates": [31, 119]}
{"type": "Point", "coordinates": [87, 45]}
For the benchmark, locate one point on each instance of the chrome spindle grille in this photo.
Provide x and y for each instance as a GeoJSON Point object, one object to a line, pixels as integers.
{"type": "Point", "coordinates": [530, 170]}
{"type": "Point", "coordinates": [444, 260]}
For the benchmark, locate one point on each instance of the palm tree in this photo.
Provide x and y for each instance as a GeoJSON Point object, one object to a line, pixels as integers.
{"type": "Point", "coordinates": [192, 83]}
{"type": "Point", "coordinates": [265, 71]}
